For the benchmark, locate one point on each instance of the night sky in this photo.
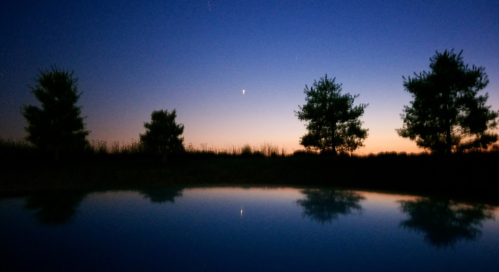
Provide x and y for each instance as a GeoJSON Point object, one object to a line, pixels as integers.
{"type": "Point", "coordinates": [133, 57]}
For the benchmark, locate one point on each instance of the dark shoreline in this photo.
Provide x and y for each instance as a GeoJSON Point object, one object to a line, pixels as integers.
{"type": "Point", "coordinates": [464, 177]}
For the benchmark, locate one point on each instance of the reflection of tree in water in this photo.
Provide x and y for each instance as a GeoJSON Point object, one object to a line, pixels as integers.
{"type": "Point", "coordinates": [444, 222]}
{"type": "Point", "coordinates": [54, 208]}
{"type": "Point", "coordinates": [324, 205]}
{"type": "Point", "coordinates": [160, 194]}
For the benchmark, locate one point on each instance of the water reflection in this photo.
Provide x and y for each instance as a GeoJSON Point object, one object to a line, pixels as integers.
{"type": "Point", "coordinates": [203, 230]}
{"type": "Point", "coordinates": [57, 208]}
{"type": "Point", "coordinates": [54, 208]}
{"type": "Point", "coordinates": [444, 222]}
{"type": "Point", "coordinates": [325, 205]}
{"type": "Point", "coordinates": [161, 194]}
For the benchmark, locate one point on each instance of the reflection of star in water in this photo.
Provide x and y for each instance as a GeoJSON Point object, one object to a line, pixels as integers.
{"type": "Point", "coordinates": [241, 212]}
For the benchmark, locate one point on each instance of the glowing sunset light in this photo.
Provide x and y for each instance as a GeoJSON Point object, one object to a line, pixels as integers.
{"type": "Point", "coordinates": [194, 56]}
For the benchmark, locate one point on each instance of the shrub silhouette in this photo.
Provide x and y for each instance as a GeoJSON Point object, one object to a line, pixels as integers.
{"type": "Point", "coordinates": [163, 134]}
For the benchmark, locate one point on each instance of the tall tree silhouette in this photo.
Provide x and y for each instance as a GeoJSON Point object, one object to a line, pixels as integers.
{"type": "Point", "coordinates": [333, 121]}
{"type": "Point", "coordinates": [56, 126]}
{"type": "Point", "coordinates": [444, 222]}
{"type": "Point", "coordinates": [446, 112]}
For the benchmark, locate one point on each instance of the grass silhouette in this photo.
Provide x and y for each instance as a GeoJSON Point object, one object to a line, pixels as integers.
{"type": "Point", "coordinates": [460, 176]}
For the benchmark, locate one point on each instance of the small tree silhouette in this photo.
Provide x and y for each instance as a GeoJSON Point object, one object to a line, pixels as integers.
{"type": "Point", "coordinates": [163, 134]}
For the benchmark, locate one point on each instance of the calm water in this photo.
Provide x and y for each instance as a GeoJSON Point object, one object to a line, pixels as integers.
{"type": "Point", "coordinates": [245, 229]}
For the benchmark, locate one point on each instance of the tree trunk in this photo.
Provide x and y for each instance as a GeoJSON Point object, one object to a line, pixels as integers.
{"type": "Point", "coordinates": [448, 138]}
{"type": "Point", "coordinates": [56, 154]}
{"type": "Point", "coordinates": [333, 138]}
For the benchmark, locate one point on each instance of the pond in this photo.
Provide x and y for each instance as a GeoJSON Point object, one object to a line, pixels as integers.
{"type": "Point", "coordinates": [245, 229]}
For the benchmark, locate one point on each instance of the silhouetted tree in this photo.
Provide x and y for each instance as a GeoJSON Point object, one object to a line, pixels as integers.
{"type": "Point", "coordinates": [446, 113]}
{"type": "Point", "coordinates": [333, 120]}
{"type": "Point", "coordinates": [444, 222]}
{"type": "Point", "coordinates": [57, 126]}
{"type": "Point", "coordinates": [163, 134]}
{"type": "Point", "coordinates": [324, 205]}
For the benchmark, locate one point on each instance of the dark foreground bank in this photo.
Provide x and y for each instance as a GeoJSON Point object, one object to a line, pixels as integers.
{"type": "Point", "coordinates": [464, 176]}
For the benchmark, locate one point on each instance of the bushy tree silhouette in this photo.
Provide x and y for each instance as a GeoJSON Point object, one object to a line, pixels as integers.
{"type": "Point", "coordinates": [57, 126]}
{"type": "Point", "coordinates": [333, 120]}
{"type": "Point", "coordinates": [163, 134]}
{"type": "Point", "coordinates": [446, 113]}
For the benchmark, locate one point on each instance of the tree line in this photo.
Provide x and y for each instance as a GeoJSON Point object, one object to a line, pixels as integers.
{"type": "Point", "coordinates": [446, 113]}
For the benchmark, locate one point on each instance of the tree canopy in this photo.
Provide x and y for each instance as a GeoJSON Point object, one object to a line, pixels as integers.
{"type": "Point", "coordinates": [163, 133]}
{"type": "Point", "coordinates": [333, 121]}
{"type": "Point", "coordinates": [57, 126]}
{"type": "Point", "coordinates": [446, 113]}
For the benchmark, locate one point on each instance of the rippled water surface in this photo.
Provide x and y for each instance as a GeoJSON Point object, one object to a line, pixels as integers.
{"type": "Point", "coordinates": [245, 229]}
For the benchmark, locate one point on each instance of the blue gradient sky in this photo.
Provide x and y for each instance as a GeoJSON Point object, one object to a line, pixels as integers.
{"type": "Point", "coordinates": [131, 58]}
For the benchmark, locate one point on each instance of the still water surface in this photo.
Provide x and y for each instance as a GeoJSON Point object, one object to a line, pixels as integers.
{"type": "Point", "coordinates": [245, 229]}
